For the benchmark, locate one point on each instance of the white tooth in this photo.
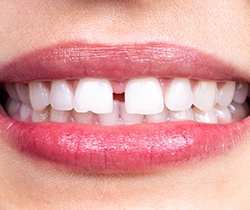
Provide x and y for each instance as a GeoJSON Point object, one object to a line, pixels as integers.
{"type": "Point", "coordinates": [205, 117]}
{"type": "Point", "coordinates": [40, 116]}
{"type": "Point", "coordinates": [205, 95]}
{"type": "Point", "coordinates": [39, 95]}
{"type": "Point", "coordinates": [86, 118]}
{"type": "Point", "coordinates": [129, 118]}
{"type": "Point", "coordinates": [179, 95]}
{"type": "Point", "coordinates": [11, 90]}
{"type": "Point", "coordinates": [223, 114]}
{"type": "Point", "coordinates": [61, 95]}
{"type": "Point", "coordinates": [25, 112]}
{"type": "Point", "coordinates": [59, 116]}
{"type": "Point", "coordinates": [226, 94]}
{"type": "Point", "coordinates": [143, 96]}
{"type": "Point", "coordinates": [239, 111]}
{"type": "Point", "coordinates": [94, 95]}
{"type": "Point", "coordinates": [241, 92]}
{"type": "Point", "coordinates": [23, 93]}
{"type": "Point", "coordinates": [110, 118]}
{"type": "Point", "coordinates": [181, 115]}
{"type": "Point", "coordinates": [160, 117]}
{"type": "Point", "coordinates": [13, 107]}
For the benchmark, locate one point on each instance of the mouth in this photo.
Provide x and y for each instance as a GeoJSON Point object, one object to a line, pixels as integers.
{"type": "Point", "coordinates": [122, 109]}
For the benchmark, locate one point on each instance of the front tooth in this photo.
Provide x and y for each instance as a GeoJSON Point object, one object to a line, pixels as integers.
{"type": "Point", "coordinates": [23, 93]}
{"type": "Point", "coordinates": [160, 117]}
{"type": "Point", "coordinates": [223, 114]}
{"type": "Point", "coordinates": [11, 90]}
{"type": "Point", "coordinates": [241, 92]}
{"type": "Point", "coordinates": [239, 111]}
{"type": "Point", "coordinates": [205, 93]}
{"type": "Point", "coordinates": [130, 118]}
{"type": "Point", "coordinates": [25, 112]}
{"type": "Point", "coordinates": [59, 116]}
{"type": "Point", "coordinates": [179, 95]}
{"type": "Point", "coordinates": [110, 118]}
{"type": "Point", "coordinates": [205, 117]}
{"type": "Point", "coordinates": [143, 96]}
{"type": "Point", "coordinates": [226, 94]}
{"type": "Point", "coordinates": [39, 95]}
{"type": "Point", "coordinates": [94, 95]}
{"type": "Point", "coordinates": [61, 95]}
{"type": "Point", "coordinates": [41, 116]}
{"type": "Point", "coordinates": [86, 118]}
{"type": "Point", "coordinates": [181, 115]}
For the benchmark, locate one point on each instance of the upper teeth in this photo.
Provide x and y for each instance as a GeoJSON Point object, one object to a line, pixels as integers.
{"type": "Point", "coordinates": [159, 100]}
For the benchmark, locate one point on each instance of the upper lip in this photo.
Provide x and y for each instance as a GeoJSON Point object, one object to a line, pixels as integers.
{"type": "Point", "coordinates": [119, 148]}
{"type": "Point", "coordinates": [75, 60]}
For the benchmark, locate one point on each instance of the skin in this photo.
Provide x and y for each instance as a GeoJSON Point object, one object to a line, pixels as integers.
{"type": "Point", "coordinates": [221, 28]}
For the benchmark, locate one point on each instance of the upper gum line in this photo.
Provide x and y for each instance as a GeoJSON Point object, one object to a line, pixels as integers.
{"type": "Point", "coordinates": [168, 88]}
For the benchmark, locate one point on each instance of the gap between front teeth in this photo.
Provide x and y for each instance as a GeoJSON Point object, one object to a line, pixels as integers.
{"type": "Point", "coordinates": [90, 100]}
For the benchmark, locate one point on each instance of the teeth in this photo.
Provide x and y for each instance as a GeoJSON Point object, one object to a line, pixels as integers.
{"type": "Point", "coordinates": [23, 93]}
{"type": "Point", "coordinates": [205, 117]}
{"type": "Point", "coordinates": [39, 95]}
{"type": "Point", "coordinates": [59, 116]}
{"type": "Point", "coordinates": [241, 92]}
{"type": "Point", "coordinates": [11, 90]}
{"type": "Point", "coordinates": [86, 118]}
{"type": "Point", "coordinates": [223, 114]}
{"type": "Point", "coordinates": [179, 95]}
{"type": "Point", "coordinates": [205, 95]}
{"type": "Point", "coordinates": [129, 118]}
{"type": "Point", "coordinates": [143, 96]}
{"type": "Point", "coordinates": [239, 111]}
{"type": "Point", "coordinates": [61, 96]}
{"type": "Point", "coordinates": [40, 116]}
{"type": "Point", "coordinates": [182, 115]}
{"type": "Point", "coordinates": [226, 94]}
{"type": "Point", "coordinates": [110, 118]}
{"type": "Point", "coordinates": [160, 117]}
{"type": "Point", "coordinates": [94, 95]}
{"type": "Point", "coordinates": [13, 107]}
{"type": "Point", "coordinates": [25, 112]}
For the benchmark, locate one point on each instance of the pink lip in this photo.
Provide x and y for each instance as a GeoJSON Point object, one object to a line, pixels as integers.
{"type": "Point", "coordinates": [127, 149]}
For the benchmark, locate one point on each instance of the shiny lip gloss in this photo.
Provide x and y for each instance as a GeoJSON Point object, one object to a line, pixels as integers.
{"type": "Point", "coordinates": [121, 148]}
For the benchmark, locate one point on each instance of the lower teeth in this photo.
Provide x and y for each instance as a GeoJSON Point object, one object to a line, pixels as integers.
{"type": "Point", "coordinates": [22, 112]}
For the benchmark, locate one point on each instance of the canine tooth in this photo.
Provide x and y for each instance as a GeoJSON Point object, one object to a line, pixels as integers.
{"type": "Point", "coordinates": [205, 117]}
{"type": "Point", "coordinates": [160, 117]}
{"type": "Point", "coordinates": [86, 118]}
{"type": "Point", "coordinates": [223, 114]}
{"type": "Point", "coordinates": [11, 90]}
{"type": "Point", "coordinates": [40, 116]}
{"type": "Point", "coordinates": [23, 93]}
{"type": "Point", "coordinates": [25, 112]}
{"type": "Point", "coordinates": [61, 95]}
{"type": "Point", "coordinates": [179, 95]}
{"type": "Point", "coordinates": [205, 93]}
{"type": "Point", "coordinates": [143, 96]}
{"type": "Point", "coordinates": [110, 118]}
{"type": "Point", "coordinates": [39, 95]}
{"type": "Point", "coordinates": [129, 118]}
{"type": "Point", "coordinates": [226, 94]}
{"type": "Point", "coordinates": [181, 115]}
{"type": "Point", "coordinates": [59, 116]}
{"type": "Point", "coordinates": [94, 95]}
{"type": "Point", "coordinates": [239, 111]}
{"type": "Point", "coordinates": [241, 92]}
{"type": "Point", "coordinates": [13, 107]}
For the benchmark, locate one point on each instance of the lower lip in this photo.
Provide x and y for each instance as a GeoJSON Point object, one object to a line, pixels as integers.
{"type": "Point", "coordinates": [122, 149]}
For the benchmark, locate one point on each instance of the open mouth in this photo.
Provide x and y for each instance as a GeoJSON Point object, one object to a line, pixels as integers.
{"type": "Point", "coordinates": [103, 108]}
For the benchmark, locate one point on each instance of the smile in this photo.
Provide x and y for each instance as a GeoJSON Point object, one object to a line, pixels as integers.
{"type": "Point", "coordinates": [133, 108]}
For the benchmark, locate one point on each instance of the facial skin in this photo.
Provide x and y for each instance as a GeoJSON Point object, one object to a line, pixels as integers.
{"type": "Point", "coordinates": [221, 28]}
